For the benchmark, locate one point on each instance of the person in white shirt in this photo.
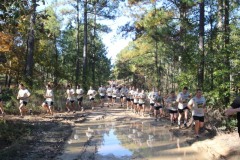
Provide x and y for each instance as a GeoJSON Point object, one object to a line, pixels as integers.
{"type": "Point", "coordinates": [198, 106]}
{"type": "Point", "coordinates": [123, 95]}
{"type": "Point", "coordinates": [115, 92]}
{"type": "Point", "coordinates": [92, 93]}
{"type": "Point", "coordinates": [172, 107]}
{"type": "Point", "coordinates": [141, 102]}
{"type": "Point", "coordinates": [48, 103]}
{"type": "Point", "coordinates": [109, 95]}
{"type": "Point", "coordinates": [128, 98]}
{"type": "Point", "coordinates": [135, 100]}
{"type": "Point", "coordinates": [182, 99]}
{"type": "Point", "coordinates": [158, 106]}
{"type": "Point", "coordinates": [102, 93]}
{"type": "Point", "coordinates": [70, 98]}
{"type": "Point", "coordinates": [131, 92]}
{"type": "Point", "coordinates": [152, 97]}
{"type": "Point", "coordinates": [79, 93]}
{"type": "Point", "coordinates": [23, 96]}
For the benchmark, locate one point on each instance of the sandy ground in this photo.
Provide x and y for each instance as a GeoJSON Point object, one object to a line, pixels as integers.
{"type": "Point", "coordinates": [50, 134]}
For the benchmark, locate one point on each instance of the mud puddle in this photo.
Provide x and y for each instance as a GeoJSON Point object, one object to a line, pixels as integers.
{"type": "Point", "coordinates": [142, 140]}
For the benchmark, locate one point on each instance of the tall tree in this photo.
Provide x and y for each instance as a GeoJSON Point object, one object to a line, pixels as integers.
{"type": "Point", "coordinates": [201, 45]}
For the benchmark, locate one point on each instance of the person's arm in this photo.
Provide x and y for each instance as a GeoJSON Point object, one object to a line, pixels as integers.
{"type": "Point", "coordinates": [231, 111]}
{"type": "Point", "coordinates": [190, 104]}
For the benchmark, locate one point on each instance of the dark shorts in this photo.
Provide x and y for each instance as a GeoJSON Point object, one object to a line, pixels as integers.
{"type": "Point", "coordinates": [182, 110]}
{"type": "Point", "coordinates": [49, 103]}
{"type": "Point", "coordinates": [131, 100]}
{"type": "Point", "coordinates": [72, 101]}
{"type": "Point", "coordinates": [141, 104]}
{"type": "Point", "coordinates": [121, 97]}
{"type": "Point", "coordinates": [128, 99]}
{"type": "Point", "coordinates": [152, 104]}
{"type": "Point", "coordinates": [110, 97]}
{"type": "Point", "coordinates": [0, 99]}
{"type": "Point", "coordinates": [135, 103]}
{"type": "Point", "coordinates": [91, 99]}
{"type": "Point", "coordinates": [158, 107]}
{"type": "Point", "coordinates": [172, 111]}
{"type": "Point", "coordinates": [80, 99]}
{"type": "Point", "coordinates": [102, 97]}
{"type": "Point", "coordinates": [25, 103]}
{"type": "Point", "coordinates": [114, 97]}
{"type": "Point", "coordinates": [198, 118]}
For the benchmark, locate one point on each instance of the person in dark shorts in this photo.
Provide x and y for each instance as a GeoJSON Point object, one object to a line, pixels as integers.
{"type": "Point", "coordinates": [198, 106]}
{"type": "Point", "coordinates": [182, 99]}
{"type": "Point", "coordinates": [79, 93]}
{"type": "Point", "coordinates": [172, 107]}
{"type": "Point", "coordinates": [70, 98]}
{"type": "Point", "coordinates": [123, 95]}
{"type": "Point", "coordinates": [92, 93]}
{"type": "Point", "coordinates": [48, 103]}
{"type": "Point", "coordinates": [102, 93]}
{"type": "Point", "coordinates": [109, 95]}
{"type": "Point", "coordinates": [23, 96]}
{"type": "Point", "coordinates": [158, 107]}
{"type": "Point", "coordinates": [128, 98]}
{"type": "Point", "coordinates": [235, 108]}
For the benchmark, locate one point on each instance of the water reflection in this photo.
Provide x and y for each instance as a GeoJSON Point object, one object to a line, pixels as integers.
{"type": "Point", "coordinates": [112, 145]}
{"type": "Point", "coordinates": [135, 140]}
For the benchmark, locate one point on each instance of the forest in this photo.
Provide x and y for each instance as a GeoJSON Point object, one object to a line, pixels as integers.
{"type": "Point", "coordinates": [192, 43]}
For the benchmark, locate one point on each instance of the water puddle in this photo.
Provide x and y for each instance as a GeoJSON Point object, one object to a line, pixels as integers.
{"type": "Point", "coordinates": [121, 141]}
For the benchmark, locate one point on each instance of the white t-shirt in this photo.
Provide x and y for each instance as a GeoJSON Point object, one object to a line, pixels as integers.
{"type": "Point", "coordinates": [70, 94]}
{"type": "Point", "coordinates": [23, 95]}
{"type": "Point", "coordinates": [142, 97]}
{"type": "Point", "coordinates": [79, 92]}
{"type": "Point", "coordinates": [115, 92]}
{"type": "Point", "coordinates": [49, 94]}
{"type": "Point", "coordinates": [131, 94]}
{"type": "Point", "coordinates": [91, 93]}
{"type": "Point", "coordinates": [152, 96]}
{"type": "Point", "coordinates": [102, 91]}
{"type": "Point", "coordinates": [124, 91]}
{"type": "Point", "coordinates": [197, 105]}
{"type": "Point", "coordinates": [184, 98]}
{"type": "Point", "coordinates": [172, 103]}
{"type": "Point", "coordinates": [109, 91]}
{"type": "Point", "coordinates": [135, 97]}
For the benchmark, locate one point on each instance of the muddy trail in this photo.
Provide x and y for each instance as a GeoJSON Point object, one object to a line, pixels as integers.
{"type": "Point", "coordinates": [114, 134]}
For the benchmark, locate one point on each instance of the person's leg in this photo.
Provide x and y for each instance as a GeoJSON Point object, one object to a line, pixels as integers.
{"type": "Point", "coordinates": [197, 126]}
{"type": "Point", "coordinates": [238, 122]}
{"type": "Point", "coordinates": [185, 117]}
{"type": "Point", "coordinates": [21, 109]}
{"type": "Point", "coordinates": [1, 108]}
{"type": "Point", "coordinates": [67, 106]}
{"type": "Point", "coordinates": [179, 117]}
{"type": "Point", "coordinates": [73, 106]}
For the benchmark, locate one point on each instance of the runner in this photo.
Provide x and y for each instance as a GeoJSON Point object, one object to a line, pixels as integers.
{"type": "Point", "coordinates": [123, 92]}
{"type": "Point", "coordinates": [1, 103]}
{"type": "Point", "coordinates": [23, 96]}
{"type": "Point", "coordinates": [198, 106]}
{"type": "Point", "coordinates": [141, 102]}
{"type": "Point", "coordinates": [158, 107]}
{"type": "Point", "coordinates": [115, 92]}
{"type": "Point", "coordinates": [172, 107]}
{"type": "Point", "coordinates": [135, 101]}
{"type": "Point", "coordinates": [109, 95]}
{"type": "Point", "coordinates": [92, 93]}
{"type": "Point", "coordinates": [152, 97]}
{"type": "Point", "coordinates": [70, 98]}
{"type": "Point", "coordinates": [131, 92]}
{"type": "Point", "coordinates": [182, 99]}
{"type": "Point", "coordinates": [79, 92]}
{"type": "Point", "coordinates": [49, 99]}
{"type": "Point", "coordinates": [128, 98]}
{"type": "Point", "coordinates": [102, 92]}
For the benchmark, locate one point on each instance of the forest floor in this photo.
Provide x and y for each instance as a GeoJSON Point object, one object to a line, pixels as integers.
{"type": "Point", "coordinates": [48, 135]}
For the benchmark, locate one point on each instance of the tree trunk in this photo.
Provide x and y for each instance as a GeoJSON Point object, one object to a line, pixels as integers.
{"type": "Point", "coordinates": [30, 46]}
{"type": "Point", "coordinates": [94, 44]}
{"type": "Point", "coordinates": [201, 46]}
{"type": "Point", "coordinates": [78, 47]}
{"type": "Point", "coordinates": [85, 47]}
{"type": "Point", "coordinates": [227, 52]}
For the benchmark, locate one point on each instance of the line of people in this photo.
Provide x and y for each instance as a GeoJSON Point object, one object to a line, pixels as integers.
{"type": "Point", "coordinates": [132, 98]}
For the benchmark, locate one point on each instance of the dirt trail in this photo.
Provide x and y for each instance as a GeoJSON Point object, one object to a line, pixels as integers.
{"type": "Point", "coordinates": [49, 134]}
